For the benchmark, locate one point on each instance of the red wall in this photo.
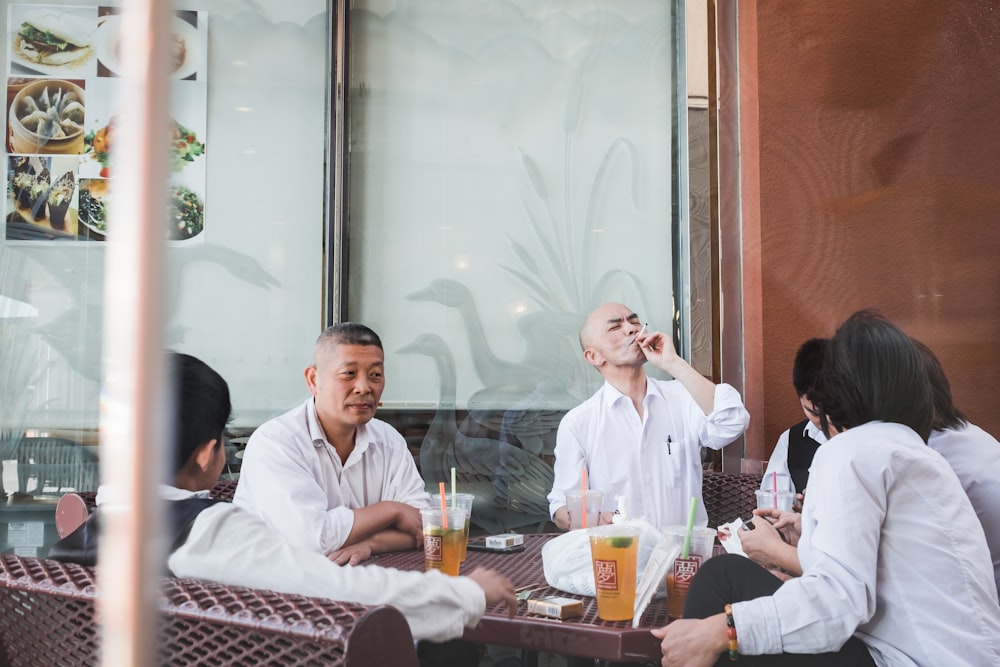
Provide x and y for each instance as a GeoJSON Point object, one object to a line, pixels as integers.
{"type": "Point", "coordinates": [878, 164]}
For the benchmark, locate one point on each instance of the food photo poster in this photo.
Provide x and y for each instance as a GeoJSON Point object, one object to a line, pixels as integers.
{"type": "Point", "coordinates": [63, 68]}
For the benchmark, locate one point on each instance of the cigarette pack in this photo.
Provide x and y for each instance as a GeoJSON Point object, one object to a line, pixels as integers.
{"type": "Point", "coordinates": [504, 541]}
{"type": "Point", "coordinates": [556, 607]}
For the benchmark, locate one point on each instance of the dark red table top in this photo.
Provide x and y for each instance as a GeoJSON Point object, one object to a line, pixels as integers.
{"type": "Point", "coordinates": [588, 636]}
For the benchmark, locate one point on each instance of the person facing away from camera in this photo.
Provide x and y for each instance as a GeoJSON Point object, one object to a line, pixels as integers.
{"type": "Point", "coordinates": [895, 567]}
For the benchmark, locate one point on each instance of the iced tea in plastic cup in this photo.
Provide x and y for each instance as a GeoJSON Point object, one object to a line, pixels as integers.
{"type": "Point", "coordinates": [574, 506]}
{"type": "Point", "coordinates": [443, 546]}
{"type": "Point", "coordinates": [614, 550]}
{"type": "Point", "coordinates": [463, 501]}
{"type": "Point", "coordinates": [680, 574]}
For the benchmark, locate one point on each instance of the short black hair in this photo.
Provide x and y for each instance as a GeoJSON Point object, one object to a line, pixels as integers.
{"type": "Point", "coordinates": [349, 333]}
{"type": "Point", "coordinates": [808, 361]}
{"type": "Point", "coordinates": [872, 371]}
{"type": "Point", "coordinates": [201, 405]}
{"type": "Point", "coordinates": [946, 414]}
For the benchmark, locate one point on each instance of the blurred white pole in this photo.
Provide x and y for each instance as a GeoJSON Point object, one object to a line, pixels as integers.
{"type": "Point", "coordinates": [132, 432]}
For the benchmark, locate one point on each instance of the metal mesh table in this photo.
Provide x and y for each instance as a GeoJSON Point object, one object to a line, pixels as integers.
{"type": "Point", "coordinates": [587, 637]}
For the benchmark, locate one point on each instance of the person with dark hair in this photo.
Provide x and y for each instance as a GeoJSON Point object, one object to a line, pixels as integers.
{"type": "Point", "coordinates": [637, 437]}
{"type": "Point", "coordinates": [895, 567]}
{"type": "Point", "coordinates": [796, 447]}
{"type": "Point", "coordinates": [971, 452]}
{"type": "Point", "coordinates": [327, 474]}
{"type": "Point", "coordinates": [218, 541]}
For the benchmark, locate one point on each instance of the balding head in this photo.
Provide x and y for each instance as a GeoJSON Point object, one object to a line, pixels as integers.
{"type": "Point", "coordinates": [601, 319]}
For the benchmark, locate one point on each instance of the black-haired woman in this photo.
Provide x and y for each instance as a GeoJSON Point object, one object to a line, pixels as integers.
{"type": "Point", "coordinates": [895, 567]}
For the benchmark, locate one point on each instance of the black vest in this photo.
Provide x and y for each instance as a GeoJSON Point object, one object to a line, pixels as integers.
{"type": "Point", "coordinates": [80, 546]}
{"type": "Point", "coordinates": [801, 449]}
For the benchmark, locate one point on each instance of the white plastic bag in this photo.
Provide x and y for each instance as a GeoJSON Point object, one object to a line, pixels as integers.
{"type": "Point", "coordinates": [567, 564]}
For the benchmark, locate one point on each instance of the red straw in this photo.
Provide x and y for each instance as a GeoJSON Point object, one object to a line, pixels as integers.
{"type": "Point", "coordinates": [444, 509]}
{"type": "Point", "coordinates": [584, 501]}
{"type": "Point", "coordinates": [774, 484]}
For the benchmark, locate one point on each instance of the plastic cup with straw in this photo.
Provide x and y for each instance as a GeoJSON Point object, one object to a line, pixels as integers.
{"type": "Point", "coordinates": [686, 564]}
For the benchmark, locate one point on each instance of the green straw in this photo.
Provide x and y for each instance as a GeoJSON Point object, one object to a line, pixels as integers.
{"type": "Point", "coordinates": [454, 499]}
{"type": "Point", "coordinates": [690, 527]}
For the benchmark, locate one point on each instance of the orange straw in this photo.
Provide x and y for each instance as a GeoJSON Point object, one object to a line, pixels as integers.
{"type": "Point", "coordinates": [444, 509]}
{"type": "Point", "coordinates": [584, 500]}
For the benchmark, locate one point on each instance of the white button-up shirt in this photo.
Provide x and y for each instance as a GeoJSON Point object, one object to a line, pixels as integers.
{"type": "Point", "coordinates": [653, 463]}
{"type": "Point", "coordinates": [229, 545]}
{"type": "Point", "coordinates": [778, 463]}
{"type": "Point", "coordinates": [891, 551]}
{"type": "Point", "coordinates": [292, 477]}
{"type": "Point", "coordinates": [974, 455]}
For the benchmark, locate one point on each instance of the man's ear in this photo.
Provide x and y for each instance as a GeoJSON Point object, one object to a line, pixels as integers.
{"type": "Point", "coordinates": [593, 357]}
{"type": "Point", "coordinates": [204, 454]}
{"type": "Point", "coordinates": [310, 374]}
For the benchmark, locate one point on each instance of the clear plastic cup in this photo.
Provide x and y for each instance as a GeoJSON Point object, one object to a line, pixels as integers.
{"type": "Point", "coordinates": [443, 545]}
{"type": "Point", "coordinates": [464, 501]}
{"type": "Point", "coordinates": [614, 551]}
{"type": "Point", "coordinates": [680, 574]}
{"type": "Point", "coordinates": [574, 505]}
{"type": "Point", "coordinates": [766, 500]}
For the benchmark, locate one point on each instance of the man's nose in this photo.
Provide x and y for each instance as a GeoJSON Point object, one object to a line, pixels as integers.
{"type": "Point", "coordinates": [362, 386]}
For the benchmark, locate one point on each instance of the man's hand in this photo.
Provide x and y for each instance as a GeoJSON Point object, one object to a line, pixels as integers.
{"type": "Point", "coordinates": [692, 642]}
{"type": "Point", "coordinates": [561, 518]}
{"type": "Point", "coordinates": [497, 587]}
{"type": "Point", "coordinates": [352, 555]}
{"type": "Point", "coordinates": [658, 348]}
{"type": "Point", "coordinates": [408, 521]}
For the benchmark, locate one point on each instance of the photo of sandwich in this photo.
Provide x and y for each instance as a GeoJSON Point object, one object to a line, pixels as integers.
{"type": "Point", "coordinates": [53, 38]}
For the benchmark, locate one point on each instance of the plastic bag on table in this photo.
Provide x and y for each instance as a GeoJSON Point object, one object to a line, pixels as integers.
{"type": "Point", "coordinates": [567, 564]}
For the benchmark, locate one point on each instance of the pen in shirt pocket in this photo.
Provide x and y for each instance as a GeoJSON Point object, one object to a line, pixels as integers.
{"type": "Point", "coordinates": [668, 445]}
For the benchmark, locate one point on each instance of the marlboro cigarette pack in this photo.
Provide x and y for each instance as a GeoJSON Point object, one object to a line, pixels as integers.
{"type": "Point", "coordinates": [504, 541]}
{"type": "Point", "coordinates": [556, 607]}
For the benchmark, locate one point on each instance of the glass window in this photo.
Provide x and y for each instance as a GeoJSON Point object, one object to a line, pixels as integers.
{"type": "Point", "coordinates": [245, 274]}
{"type": "Point", "coordinates": [511, 165]}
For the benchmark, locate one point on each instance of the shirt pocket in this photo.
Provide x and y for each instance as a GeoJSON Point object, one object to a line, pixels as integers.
{"type": "Point", "coordinates": [674, 460]}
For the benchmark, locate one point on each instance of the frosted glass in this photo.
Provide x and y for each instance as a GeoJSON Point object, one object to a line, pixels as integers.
{"type": "Point", "coordinates": [248, 298]}
{"type": "Point", "coordinates": [510, 169]}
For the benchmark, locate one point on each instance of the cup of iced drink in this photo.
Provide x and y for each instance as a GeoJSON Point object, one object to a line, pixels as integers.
{"type": "Point", "coordinates": [576, 499]}
{"type": "Point", "coordinates": [614, 550]}
{"type": "Point", "coordinates": [781, 500]}
{"type": "Point", "coordinates": [444, 536]}
{"type": "Point", "coordinates": [462, 501]}
{"type": "Point", "coordinates": [683, 570]}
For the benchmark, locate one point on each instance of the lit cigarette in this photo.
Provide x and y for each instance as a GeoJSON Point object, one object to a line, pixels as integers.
{"type": "Point", "coordinates": [640, 332]}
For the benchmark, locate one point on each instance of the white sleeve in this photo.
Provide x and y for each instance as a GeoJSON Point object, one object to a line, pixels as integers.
{"type": "Point", "coordinates": [232, 546]}
{"type": "Point", "coordinates": [820, 610]}
{"type": "Point", "coordinates": [778, 463]}
{"type": "Point", "coordinates": [279, 484]}
{"type": "Point", "coordinates": [567, 471]}
{"type": "Point", "coordinates": [727, 421]}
